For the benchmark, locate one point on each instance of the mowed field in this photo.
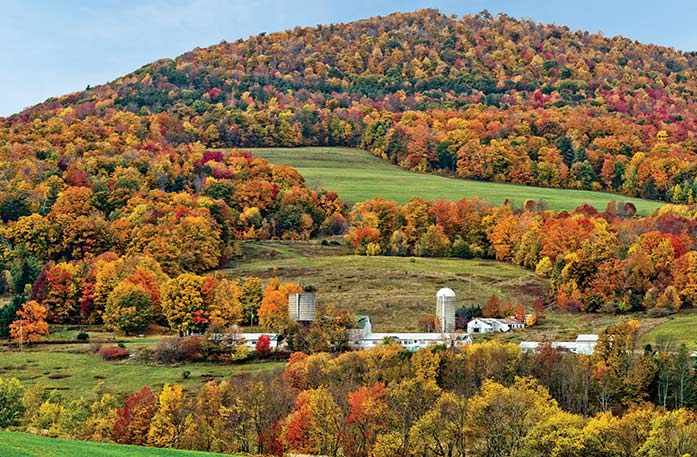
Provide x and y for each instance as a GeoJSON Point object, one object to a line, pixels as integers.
{"type": "Point", "coordinates": [13, 444]}
{"type": "Point", "coordinates": [394, 291]}
{"type": "Point", "coordinates": [76, 375]}
{"type": "Point", "coordinates": [357, 175]}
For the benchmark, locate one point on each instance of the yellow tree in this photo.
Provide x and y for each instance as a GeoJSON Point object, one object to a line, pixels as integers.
{"type": "Point", "coordinates": [183, 303]}
{"type": "Point", "coordinates": [226, 308]}
{"type": "Point", "coordinates": [171, 419]}
{"type": "Point", "coordinates": [501, 417]}
{"type": "Point", "coordinates": [442, 431]}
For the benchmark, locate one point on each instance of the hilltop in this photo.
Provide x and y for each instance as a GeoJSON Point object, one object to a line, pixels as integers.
{"type": "Point", "coordinates": [482, 97]}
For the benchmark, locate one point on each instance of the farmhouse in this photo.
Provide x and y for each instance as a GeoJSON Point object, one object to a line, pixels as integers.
{"type": "Point", "coordinates": [584, 344]}
{"type": "Point", "coordinates": [488, 325]}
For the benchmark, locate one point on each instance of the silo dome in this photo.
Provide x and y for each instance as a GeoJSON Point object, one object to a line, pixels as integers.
{"type": "Point", "coordinates": [445, 292]}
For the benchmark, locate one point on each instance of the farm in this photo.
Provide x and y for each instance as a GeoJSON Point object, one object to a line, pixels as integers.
{"type": "Point", "coordinates": [413, 235]}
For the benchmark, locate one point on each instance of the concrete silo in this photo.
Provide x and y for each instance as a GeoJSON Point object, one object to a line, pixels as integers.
{"type": "Point", "coordinates": [302, 307]}
{"type": "Point", "coordinates": [445, 309]}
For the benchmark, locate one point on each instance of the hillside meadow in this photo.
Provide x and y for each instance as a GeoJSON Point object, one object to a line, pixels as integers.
{"type": "Point", "coordinates": [394, 291]}
{"type": "Point", "coordinates": [13, 444]}
{"type": "Point", "coordinates": [75, 374]}
{"type": "Point", "coordinates": [357, 175]}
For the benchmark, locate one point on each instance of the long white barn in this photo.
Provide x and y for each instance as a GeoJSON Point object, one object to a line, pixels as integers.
{"type": "Point", "coordinates": [364, 338]}
{"type": "Point", "coordinates": [584, 344]}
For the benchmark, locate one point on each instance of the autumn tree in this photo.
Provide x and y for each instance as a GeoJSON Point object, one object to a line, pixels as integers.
{"type": "Point", "coordinates": [133, 418]}
{"type": "Point", "coordinates": [226, 307]}
{"type": "Point", "coordinates": [183, 304]}
{"type": "Point", "coordinates": [171, 419]}
{"type": "Point", "coordinates": [273, 312]}
{"type": "Point", "coordinates": [315, 424]}
{"type": "Point", "coordinates": [252, 295]}
{"type": "Point", "coordinates": [501, 417]}
{"type": "Point", "coordinates": [442, 431]}
{"type": "Point", "coordinates": [128, 308]}
{"type": "Point", "coordinates": [31, 326]}
{"type": "Point", "coordinates": [368, 415]}
{"type": "Point", "coordinates": [11, 406]}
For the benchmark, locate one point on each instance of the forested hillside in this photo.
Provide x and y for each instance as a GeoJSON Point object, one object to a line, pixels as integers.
{"type": "Point", "coordinates": [496, 99]}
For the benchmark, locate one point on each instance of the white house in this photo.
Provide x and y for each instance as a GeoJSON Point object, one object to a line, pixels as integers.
{"type": "Point", "coordinates": [584, 344]}
{"type": "Point", "coordinates": [250, 339]}
{"type": "Point", "coordinates": [488, 325]}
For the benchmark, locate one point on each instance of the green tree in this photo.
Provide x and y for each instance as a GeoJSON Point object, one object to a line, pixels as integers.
{"type": "Point", "coordinates": [11, 407]}
{"type": "Point", "coordinates": [128, 308]}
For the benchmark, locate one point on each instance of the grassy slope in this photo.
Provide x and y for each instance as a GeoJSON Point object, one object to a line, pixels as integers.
{"type": "Point", "coordinates": [394, 291]}
{"type": "Point", "coordinates": [357, 175]}
{"type": "Point", "coordinates": [23, 445]}
{"type": "Point", "coordinates": [76, 374]}
{"type": "Point", "coordinates": [673, 330]}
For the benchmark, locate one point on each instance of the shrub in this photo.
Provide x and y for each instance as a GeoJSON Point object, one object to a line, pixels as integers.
{"type": "Point", "coordinates": [176, 350]}
{"type": "Point", "coordinates": [240, 354]}
{"type": "Point", "coordinates": [82, 336]}
{"type": "Point", "coordinates": [190, 348]}
{"type": "Point", "coordinates": [167, 351]}
{"type": "Point", "coordinates": [263, 346]}
{"type": "Point", "coordinates": [112, 352]}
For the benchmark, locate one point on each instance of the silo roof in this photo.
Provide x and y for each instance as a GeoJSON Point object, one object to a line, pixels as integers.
{"type": "Point", "coordinates": [445, 292]}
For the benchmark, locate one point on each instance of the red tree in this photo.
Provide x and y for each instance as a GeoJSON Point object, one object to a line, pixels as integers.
{"type": "Point", "coordinates": [263, 346]}
{"type": "Point", "coordinates": [133, 418]}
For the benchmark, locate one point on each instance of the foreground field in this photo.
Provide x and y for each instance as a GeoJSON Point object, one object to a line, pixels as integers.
{"type": "Point", "coordinates": [357, 175]}
{"type": "Point", "coordinates": [394, 291]}
{"type": "Point", "coordinates": [77, 375]}
{"type": "Point", "coordinates": [23, 445]}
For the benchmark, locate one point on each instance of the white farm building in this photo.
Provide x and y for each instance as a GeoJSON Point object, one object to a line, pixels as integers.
{"type": "Point", "coordinates": [584, 344]}
{"type": "Point", "coordinates": [364, 338]}
{"type": "Point", "coordinates": [489, 325]}
{"type": "Point", "coordinates": [250, 339]}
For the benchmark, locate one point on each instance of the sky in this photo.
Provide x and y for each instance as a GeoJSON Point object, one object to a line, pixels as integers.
{"type": "Point", "coordinates": [54, 47]}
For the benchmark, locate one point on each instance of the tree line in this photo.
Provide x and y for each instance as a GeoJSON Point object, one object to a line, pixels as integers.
{"type": "Point", "coordinates": [486, 399]}
{"type": "Point", "coordinates": [610, 262]}
{"type": "Point", "coordinates": [481, 97]}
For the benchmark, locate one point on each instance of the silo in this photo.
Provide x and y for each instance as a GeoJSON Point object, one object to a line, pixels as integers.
{"type": "Point", "coordinates": [445, 309]}
{"type": "Point", "coordinates": [302, 307]}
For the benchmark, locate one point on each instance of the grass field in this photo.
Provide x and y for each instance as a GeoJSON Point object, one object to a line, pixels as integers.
{"type": "Point", "coordinates": [77, 375]}
{"type": "Point", "coordinates": [14, 444]}
{"type": "Point", "coordinates": [674, 330]}
{"type": "Point", "coordinates": [394, 291]}
{"type": "Point", "coordinates": [357, 175]}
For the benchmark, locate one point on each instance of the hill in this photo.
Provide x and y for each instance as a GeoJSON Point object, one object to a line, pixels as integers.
{"type": "Point", "coordinates": [482, 97]}
{"type": "Point", "coordinates": [356, 176]}
{"type": "Point", "coordinates": [23, 445]}
{"type": "Point", "coordinates": [395, 293]}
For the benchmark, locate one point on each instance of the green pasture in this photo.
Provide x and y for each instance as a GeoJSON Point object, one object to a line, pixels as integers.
{"type": "Point", "coordinates": [13, 444]}
{"type": "Point", "coordinates": [357, 175]}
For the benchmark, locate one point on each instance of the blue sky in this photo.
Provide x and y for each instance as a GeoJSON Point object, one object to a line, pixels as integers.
{"type": "Point", "coordinates": [53, 47]}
